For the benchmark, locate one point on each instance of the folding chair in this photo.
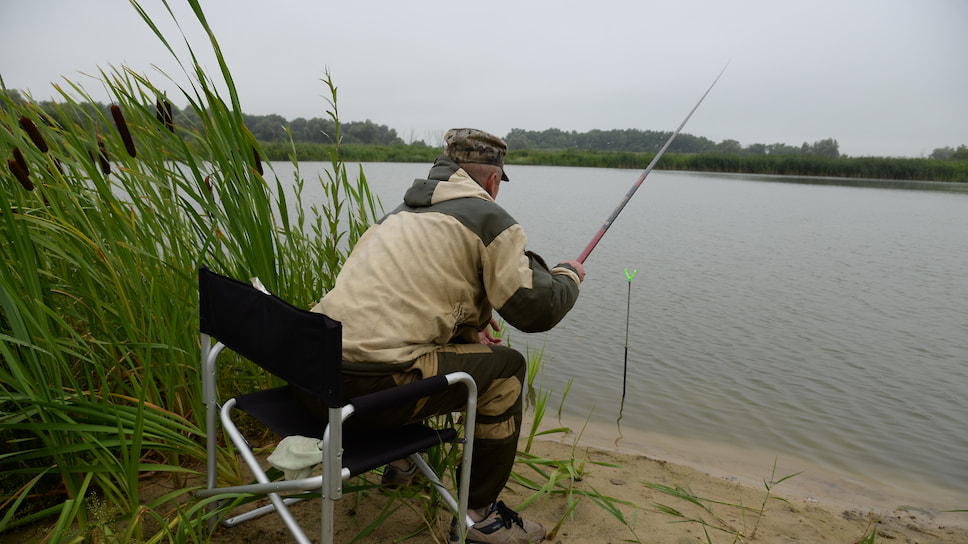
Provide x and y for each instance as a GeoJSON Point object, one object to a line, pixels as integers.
{"type": "Point", "coordinates": [304, 348]}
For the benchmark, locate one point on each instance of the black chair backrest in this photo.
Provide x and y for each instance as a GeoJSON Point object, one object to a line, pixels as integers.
{"type": "Point", "coordinates": [302, 347]}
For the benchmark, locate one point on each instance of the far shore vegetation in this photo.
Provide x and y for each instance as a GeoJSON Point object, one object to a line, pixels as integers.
{"type": "Point", "coordinates": [366, 141]}
{"type": "Point", "coordinates": [879, 168]}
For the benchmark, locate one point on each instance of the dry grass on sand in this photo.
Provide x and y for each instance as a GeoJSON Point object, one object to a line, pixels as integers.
{"type": "Point", "coordinates": [787, 518]}
{"type": "Point", "coordinates": [793, 519]}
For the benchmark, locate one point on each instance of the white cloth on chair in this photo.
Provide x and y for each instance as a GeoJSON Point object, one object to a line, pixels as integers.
{"type": "Point", "coordinates": [296, 456]}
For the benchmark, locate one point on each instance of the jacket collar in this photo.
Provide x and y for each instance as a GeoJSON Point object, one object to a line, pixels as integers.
{"type": "Point", "coordinates": [446, 181]}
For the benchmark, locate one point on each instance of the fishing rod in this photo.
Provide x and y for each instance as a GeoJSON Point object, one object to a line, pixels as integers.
{"type": "Point", "coordinates": [628, 196]}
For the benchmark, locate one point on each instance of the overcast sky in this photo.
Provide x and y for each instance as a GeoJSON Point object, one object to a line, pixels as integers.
{"type": "Point", "coordinates": [882, 77]}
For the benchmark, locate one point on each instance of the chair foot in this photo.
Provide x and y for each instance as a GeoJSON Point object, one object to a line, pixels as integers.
{"type": "Point", "coordinates": [257, 513]}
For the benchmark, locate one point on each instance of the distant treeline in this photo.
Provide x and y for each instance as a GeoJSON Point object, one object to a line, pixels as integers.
{"type": "Point", "coordinates": [365, 141]}
{"type": "Point", "coordinates": [651, 141]}
{"type": "Point", "coordinates": [630, 148]}
{"type": "Point", "coordinates": [785, 165]}
{"type": "Point", "coordinates": [275, 128]}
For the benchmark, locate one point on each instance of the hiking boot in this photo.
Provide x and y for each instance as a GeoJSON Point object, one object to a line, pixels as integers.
{"type": "Point", "coordinates": [395, 476]}
{"type": "Point", "coordinates": [501, 526]}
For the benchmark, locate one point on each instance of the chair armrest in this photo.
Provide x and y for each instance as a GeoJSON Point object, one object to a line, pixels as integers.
{"type": "Point", "coordinates": [374, 402]}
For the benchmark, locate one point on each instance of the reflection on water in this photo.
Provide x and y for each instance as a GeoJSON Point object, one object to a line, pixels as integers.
{"type": "Point", "coordinates": [821, 323]}
{"type": "Point", "coordinates": [618, 422]}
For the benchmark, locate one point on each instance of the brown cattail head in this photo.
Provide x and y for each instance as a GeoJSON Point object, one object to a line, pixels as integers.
{"type": "Point", "coordinates": [123, 130]}
{"type": "Point", "coordinates": [258, 160]}
{"type": "Point", "coordinates": [102, 157]}
{"type": "Point", "coordinates": [208, 184]}
{"type": "Point", "coordinates": [21, 162]}
{"type": "Point", "coordinates": [169, 118]}
{"type": "Point", "coordinates": [20, 174]}
{"type": "Point", "coordinates": [164, 115]}
{"type": "Point", "coordinates": [31, 129]}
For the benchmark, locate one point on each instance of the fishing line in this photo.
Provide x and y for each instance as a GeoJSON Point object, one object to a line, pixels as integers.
{"type": "Point", "coordinates": [628, 196]}
{"type": "Point", "coordinates": [628, 313]}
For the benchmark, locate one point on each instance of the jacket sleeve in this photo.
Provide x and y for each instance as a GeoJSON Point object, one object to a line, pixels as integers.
{"type": "Point", "coordinates": [539, 304]}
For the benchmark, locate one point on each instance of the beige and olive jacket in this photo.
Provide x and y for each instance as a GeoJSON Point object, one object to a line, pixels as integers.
{"type": "Point", "coordinates": [429, 273]}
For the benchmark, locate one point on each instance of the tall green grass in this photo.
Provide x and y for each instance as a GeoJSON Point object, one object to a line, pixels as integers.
{"type": "Point", "coordinates": [101, 234]}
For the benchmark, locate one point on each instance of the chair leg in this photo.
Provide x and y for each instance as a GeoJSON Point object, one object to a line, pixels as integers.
{"type": "Point", "coordinates": [213, 514]}
{"type": "Point", "coordinates": [328, 519]}
{"type": "Point", "coordinates": [288, 518]}
{"type": "Point", "coordinates": [230, 430]}
{"type": "Point", "coordinates": [257, 512]}
{"type": "Point", "coordinates": [279, 506]}
{"type": "Point", "coordinates": [459, 508]}
{"type": "Point", "coordinates": [210, 399]}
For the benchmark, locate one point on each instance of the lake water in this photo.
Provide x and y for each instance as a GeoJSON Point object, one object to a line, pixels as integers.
{"type": "Point", "coordinates": [823, 327]}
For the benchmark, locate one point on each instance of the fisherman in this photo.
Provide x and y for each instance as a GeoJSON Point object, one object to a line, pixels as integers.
{"type": "Point", "coordinates": [415, 298]}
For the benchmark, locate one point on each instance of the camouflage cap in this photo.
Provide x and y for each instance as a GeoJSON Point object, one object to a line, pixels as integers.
{"type": "Point", "coordinates": [477, 146]}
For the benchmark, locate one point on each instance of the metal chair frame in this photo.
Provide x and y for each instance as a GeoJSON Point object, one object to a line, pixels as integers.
{"type": "Point", "coordinates": [342, 456]}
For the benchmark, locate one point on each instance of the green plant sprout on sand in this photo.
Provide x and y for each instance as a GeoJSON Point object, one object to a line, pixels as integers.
{"type": "Point", "coordinates": [746, 533]}
{"type": "Point", "coordinates": [557, 477]}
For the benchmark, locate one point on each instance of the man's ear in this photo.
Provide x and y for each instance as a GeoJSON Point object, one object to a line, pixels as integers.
{"type": "Point", "coordinates": [491, 184]}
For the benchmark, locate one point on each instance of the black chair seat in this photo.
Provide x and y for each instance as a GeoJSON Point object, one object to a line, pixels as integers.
{"type": "Point", "coordinates": [366, 450]}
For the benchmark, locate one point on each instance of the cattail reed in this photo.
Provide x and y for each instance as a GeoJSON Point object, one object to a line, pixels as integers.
{"type": "Point", "coordinates": [57, 165]}
{"type": "Point", "coordinates": [31, 129]}
{"type": "Point", "coordinates": [123, 130]}
{"type": "Point", "coordinates": [258, 161]}
{"type": "Point", "coordinates": [164, 115]}
{"type": "Point", "coordinates": [21, 162]}
{"type": "Point", "coordinates": [20, 174]}
{"type": "Point", "coordinates": [102, 157]}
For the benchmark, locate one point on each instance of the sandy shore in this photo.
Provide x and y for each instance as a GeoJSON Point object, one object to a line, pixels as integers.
{"type": "Point", "coordinates": [799, 510]}
{"type": "Point", "coordinates": [787, 517]}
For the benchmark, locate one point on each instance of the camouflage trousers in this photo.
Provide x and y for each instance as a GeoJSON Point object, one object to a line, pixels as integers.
{"type": "Point", "coordinates": [499, 372]}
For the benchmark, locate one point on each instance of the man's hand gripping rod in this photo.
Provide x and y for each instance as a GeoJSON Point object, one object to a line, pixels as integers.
{"type": "Point", "coordinates": [628, 196]}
